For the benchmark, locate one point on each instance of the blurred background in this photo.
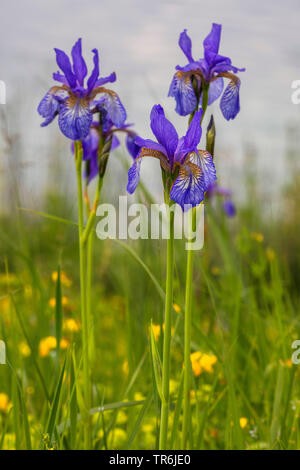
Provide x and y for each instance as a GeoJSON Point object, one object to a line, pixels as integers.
{"type": "Point", "coordinates": [139, 41]}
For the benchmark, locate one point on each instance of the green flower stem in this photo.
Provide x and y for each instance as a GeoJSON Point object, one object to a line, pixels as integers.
{"type": "Point", "coordinates": [167, 338]}
{"type": "Point", "coordinates": [188, 310]}
{"type": "Point", "coordinates": [89, 234]}
{"type": "Point", "coordinates": [84, 320]}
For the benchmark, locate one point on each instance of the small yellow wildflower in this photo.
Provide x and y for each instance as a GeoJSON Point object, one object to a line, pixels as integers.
{"type": "Point", "coordinates": [270, 254]}
{"type": "Point", "coordinates": [138, 396]}
{"type": "Point", "coordinates": [24, 349]}
{"type": "Point", "coordinates": [243, 422]}
{"type": "Point", "coordinates": [215, 270]}
{"type": "Point", "coordinates": [64, 343]}
{"type": "Point", "coordinates": [258, 237]}
{"type": "Point", "coordinates": [71, 325]}
{"type": "Point", "coordinates": [49, 343]}
{"type": "Point", "coordinates": [156, 331]}
{"type": "Point", "coordinates": [201, 361]}
{"type": "Point", "coordinates": [125, 368]}
{"type": "Point", "coordinates": [63, 278]}
{"type": "Point", "coordinates": [176, 308]}
{"type": "Point", "coordinates": [30, 390]}
{"type": "Point", "coordinates": [287, 363]}
{"type": "Point", "coordinates": [64, 301]}
{"type": "Point", "coordinates": [5, 404]}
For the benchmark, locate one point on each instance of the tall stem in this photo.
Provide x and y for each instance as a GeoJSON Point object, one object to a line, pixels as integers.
{"type": "Point", "coordinates": [84, 320]}
{"type": "Point", "coordinates": [188, 310]}
{"type": "Point", "coordinates": [167, 338]}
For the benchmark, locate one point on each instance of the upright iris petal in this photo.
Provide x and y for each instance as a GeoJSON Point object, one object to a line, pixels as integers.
{"type": "Point", "coordinates": [79, 65]}
{"type": "Point", "coordinates": [186, 45]}
{"type": "Point", "coordinates": [64, 64]}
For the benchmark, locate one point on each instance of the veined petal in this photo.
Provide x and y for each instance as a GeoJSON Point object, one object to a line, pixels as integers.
{"type": "Point", "coordinates": [95, 73]}
{"type": "Point", "coordinates": [230, 101]}
{"type": "Point", "coordinates": [79, 65]}
{"type": "Point", "coordinates": [204, 159]}
{"type": "Point", "coordinates": [75, 118]}
{"type": "Point", "coordinates": [64, 64]}
{"type": "Point", "coordinates": [115, 109]}
{"type": "Point", "coordinates": [188, 188]}
{"type": "Point", "coordinates": [109, 79]}
{"type": "Point", "coordinates": [182, 90]}
{"type": "Point", "coordinates": [49, 105]}
{"type": "Point", "coordinates": [215, 90]}
{"type": "Point", "coordinates": [164, 131]}
{"type": "Point", "coordinates": [185, 44]}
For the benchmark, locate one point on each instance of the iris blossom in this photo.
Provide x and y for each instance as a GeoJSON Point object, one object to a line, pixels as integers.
{"type": "Point", "coordinates": [73, 101]}
{"type": "Point", "coordinates": [90, 144]}
{"type": "Point", "coordinates": [228, 205]}
{"type": "Point", "coordinates": [190, 170]}
{"type": "Point", "coordinates": [210, 71]}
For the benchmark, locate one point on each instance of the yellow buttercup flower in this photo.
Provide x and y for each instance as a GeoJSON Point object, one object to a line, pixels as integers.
{"type": "Point", "coordinates": [63, 278]}
{"type": "Point", "coordinates": [176, 308]}
{"type": "Point", "coordinates": [258, 237]}
{"type": "Point", "coordinates": [24, 349]}
{"type": "Point", "coordinates": [71, 325]}
{"type": "Point", "coordinates": [270, 254]}
{"type": "Point", "coordinates": [202, 362]}
{"type": "Point", "coordinates": [125, 368]}
{"type": "Point", "coordinates": [5, 404]}
{"type": "Point", "coordinates": [49, 343]}
{"type": "Point", "coordinates": [156, 330]}
{"type": "Point", "coordinates": [243, 422]}
{"type": "Point", "coordinates": [64, 301]}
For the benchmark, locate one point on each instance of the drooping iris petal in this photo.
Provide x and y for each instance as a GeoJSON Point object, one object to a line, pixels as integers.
{"type": "Point", "coordinates": [132, 147]}
{"type": "Point", "coordinates": [90, 144]}
{"type": "Point", "coordinates": [182, 90]}
{"type": "Point", "coordinates": [64, 64]}
{"type": "Point", "coordinates": [212, 42]}
{"type": "Point", "coordinates": [205, 161]}
{"type": "Point", "coordinates": [134, 170]}
{"type": "Point", "coordinates": [230, 101]}
{"type": "Point", "coordinates": [79, 65]}
{"type": "Point", "coordinates": [186, 45]}
{"type": "Point", "coordinates": [95, 73]}
{"type": "Point", "coordinates": [215, 90]}
{"type": "Point", "coordinates": [134, 176]}
{"type": "Point", "coordinates": [109, 79]}
{"type": "Point", "coordinates": [188, 188]}
{"type": "Point", "coordinates": [75, 118]}
{"type": "Point", "coordinates": [50, 104]}
{"type": "Point", "coordinates": [229, 208]}
{"type": "Point", "coordinates": [164, 131]}
{"type": "Point", "coordinates": [115, 109]}
{"type": "Point", "coordinates": [150, 144]}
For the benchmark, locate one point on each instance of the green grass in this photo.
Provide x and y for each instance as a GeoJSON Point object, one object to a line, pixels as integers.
{"type": "Point", "coordinates": [245, 312]}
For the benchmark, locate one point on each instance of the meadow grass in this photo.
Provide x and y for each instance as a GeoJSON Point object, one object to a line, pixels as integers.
{"type": "Point", "coordinates": [245, 390]}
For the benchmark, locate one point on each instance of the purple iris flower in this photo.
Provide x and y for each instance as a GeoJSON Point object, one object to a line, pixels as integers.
{"type": "Point", "coordinates": [73, 101]}
{"type": "Point", "coordinates": [228, 205]}
{"type": "Point", "coordinates": [191, 170]}
{"type": "Point", "coordinates": [210, 71]}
